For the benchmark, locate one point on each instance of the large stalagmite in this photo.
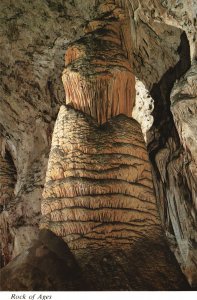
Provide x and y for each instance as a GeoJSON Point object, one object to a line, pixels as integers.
{"type": "Point", "coordinates": [99, 188]}
{"type": "Point", "coordinates": [98, 196]}
{"type": "Point", "coordinates": [93, 170]}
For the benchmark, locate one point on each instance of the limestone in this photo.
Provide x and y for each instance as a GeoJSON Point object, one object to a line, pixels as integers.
{"type": "Point", "coordinates": [7, 185]}
{"type": "Point", "coordinates": [46, 265]}
{"type": "Point", "coordinates": [34, 38]}
{"type": "Point", "coordinates": [98, 78]}
{"type": "Point", "coordinates": [98, 177]}
{"type": "Point", "coordinates": [144, 105]}
{"type": "Point", "coordinates": [49, 265]}
{"type": "Point", "coordinates": [184, 109]}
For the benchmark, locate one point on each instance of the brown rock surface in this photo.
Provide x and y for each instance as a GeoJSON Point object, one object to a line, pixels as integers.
{"type": "Point", "coordinates": [99, 198]}
{"type": "Point", "coordinates": [98, 78]}
{"type": "Point", "coordinates": [33, 39]}
{"type": "Point", "coordinates": [98, 188]}
{"type": "Point", "coordinates": [47, 265]}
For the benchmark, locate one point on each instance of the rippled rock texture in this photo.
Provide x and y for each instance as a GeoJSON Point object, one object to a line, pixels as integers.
{"type": "Point", "coordinates": [158, 40]}
{"type": "Point", "coordinates": [99, 187]}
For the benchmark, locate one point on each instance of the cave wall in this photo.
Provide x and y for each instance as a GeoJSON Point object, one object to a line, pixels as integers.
{"type": "Point", "coordinates": [171, 140]}
{"type": "Point", "coordinates": [160, 45]}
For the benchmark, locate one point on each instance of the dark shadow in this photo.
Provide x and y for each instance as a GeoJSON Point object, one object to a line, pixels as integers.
{"type": "Point", "coordinates": [160, 92]}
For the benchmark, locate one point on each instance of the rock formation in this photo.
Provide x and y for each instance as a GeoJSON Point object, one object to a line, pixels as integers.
{"type": "Point", "coordinates": [47, 265]}
{"type": "Point", "coordinates": [154, 40]}
{"type": "Point", "coordinates": [98, 78]}
{"type": "Point", "coordinates": [99, 198]}
{"type": "Point", "coordinates": [7, 184]}
{"type": "Point", "coordinates": [99, 186]}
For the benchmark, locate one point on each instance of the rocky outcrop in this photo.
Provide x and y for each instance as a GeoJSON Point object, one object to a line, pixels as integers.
{"type": "Point", "coordinates": [180, 14]}
{"type": "Point", "coordinates": [47, 265]}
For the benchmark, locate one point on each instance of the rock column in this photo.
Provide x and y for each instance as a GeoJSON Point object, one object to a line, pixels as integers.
{"type": "Point", "coordinates": [99, 194]}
